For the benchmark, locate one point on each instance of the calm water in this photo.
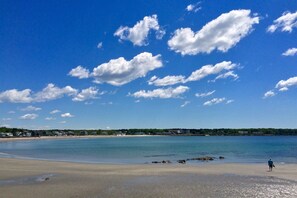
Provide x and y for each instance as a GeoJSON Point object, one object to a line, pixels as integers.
{"type": "Point", "coordinates": [131, 150]}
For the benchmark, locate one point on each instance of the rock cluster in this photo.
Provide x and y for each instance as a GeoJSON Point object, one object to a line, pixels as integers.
{"type": "Point", "coordinates": [204, 159]}
{"type": "Point", "coordinates": [162, 162]}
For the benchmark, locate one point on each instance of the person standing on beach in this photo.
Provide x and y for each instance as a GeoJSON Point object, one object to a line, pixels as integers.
{"type": "Point", "coordinates": [270, 164]}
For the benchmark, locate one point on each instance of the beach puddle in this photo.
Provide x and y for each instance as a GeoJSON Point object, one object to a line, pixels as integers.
{"type": "Point", "coordinates": [26, 180]}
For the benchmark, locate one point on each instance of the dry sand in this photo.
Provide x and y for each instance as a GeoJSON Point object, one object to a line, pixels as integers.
{"type": "Point", "coordinates": [32, 178]}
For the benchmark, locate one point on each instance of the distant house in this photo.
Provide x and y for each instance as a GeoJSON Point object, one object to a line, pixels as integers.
{"type": "Point", "coordinates": [83, 133]}
{"type": "Point", "coordinates": [70, 133]}
{"type": "Point", "coordinates": [26, 134]}
{"type": "Point", "coordinates": [5, 135]}
{"type": "Point", "coordinates": [120, 134]}
{"type": "Point", "coordinates": [243, 132]}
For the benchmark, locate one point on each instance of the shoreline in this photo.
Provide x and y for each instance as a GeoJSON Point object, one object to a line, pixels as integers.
{"type": "Point", "coordinates": [68, 137]}
{"type": "Point", "coordinates": [34, 178]}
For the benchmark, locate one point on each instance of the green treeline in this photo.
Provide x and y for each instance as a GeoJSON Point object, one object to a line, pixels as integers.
{"type": "Point", "coordinates": [16, 132]}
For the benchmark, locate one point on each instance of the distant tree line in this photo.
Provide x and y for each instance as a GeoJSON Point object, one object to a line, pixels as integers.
{"type": "Point", "coordinates": [19, 132]}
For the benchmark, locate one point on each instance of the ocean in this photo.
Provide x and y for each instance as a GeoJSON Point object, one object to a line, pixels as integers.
{"type": "Point", "coordinates": [141, 150]}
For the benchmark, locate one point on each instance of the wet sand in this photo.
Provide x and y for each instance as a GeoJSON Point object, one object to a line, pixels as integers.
{"type": "Point", "coordinates": [32, 178]}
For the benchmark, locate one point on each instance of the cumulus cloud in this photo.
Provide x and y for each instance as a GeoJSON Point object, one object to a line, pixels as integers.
{"type": "Point", "coordinates": [199, 74]}
{"type": "Point", "coordinates": [202, 95]}
{"type": "Point", "coordinates": [161, 93]}
{"type": "Point", "coordinates": [290, 52]}
{"type": "Point", "coordinates": [139, 32]}
{"type": "Point", "coordinates": [168, 80]}
{"type": "Point", "coordinates": [221, 33]}
{"type": "Point", "coordinates": [50, 118]}
{"type": "Point", "coordinates": [55, 111]}
{"type": "Point", "coordinates": [285, 23]}
{"type": "Point", "coordinates": [269, 94]}
{"type": "Point", "coordinates": [6, 119]}
{"type": "Point", "coordinates": [284, 85]}
{"type": "Point", "coordinates": [120, 71]}
{"type": "Point", "coordinates": [16, 96]}
{"type": "Point", "coordinates": [193, 7]}
{"type": "Point", "coordinates": [29, 116]}
{"type": "Point", "coordinates": [86, 94]}
{"type": "Point", "coordinates": [67, 115]}
{"type": "Point", "coordinates": [210, 69]}
{"type": "Point", "coordinates": [51, 92]}
{"type": "Point", "coordinates": [229, 74]}
{"type": "Point", "coordinates": [214, 101]}
{"type": "Point", "coordinates": [185, 104]}
{"type": "Point", "coordinates": [79, 72]}
{"type": "Point", "coordinates": [31, 108]}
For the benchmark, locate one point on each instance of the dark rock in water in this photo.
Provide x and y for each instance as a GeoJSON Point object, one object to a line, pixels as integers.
{"type": "Point", "coordinates": [221, 157]}
{"type": "Point", "coordinates": [206, 158]}
{"type": "Point", "coordinates": [161, 162]}
{"type": "Point", "coordinates": [181, 161]}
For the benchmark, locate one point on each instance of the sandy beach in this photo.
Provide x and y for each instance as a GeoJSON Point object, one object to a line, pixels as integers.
{"type": "Point", "coordinates": [32, 178]}
{"type": "Point", "coordinates": [68, 137]}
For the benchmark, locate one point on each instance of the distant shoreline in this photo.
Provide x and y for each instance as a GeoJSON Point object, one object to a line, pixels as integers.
{"type": "Point", "coordinates": [67, 137]}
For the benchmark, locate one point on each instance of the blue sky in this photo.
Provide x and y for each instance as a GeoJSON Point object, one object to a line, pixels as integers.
{"type": "Point", "coordinates": [148, 64]}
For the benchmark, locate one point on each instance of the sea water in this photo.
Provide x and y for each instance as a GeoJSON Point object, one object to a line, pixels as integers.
{"type": "Point", "coordinates": [139, 150]}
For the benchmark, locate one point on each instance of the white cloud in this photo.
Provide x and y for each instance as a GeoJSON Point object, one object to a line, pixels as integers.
{"type": "Point", "coordinates": [229, 101]}
{"type": "Point", "coordinates": [50, 118]}
{"type": "Point", "coordinates": [30, 116]}
{"type": "Point", "coordinates": [221, 33]}
{"type": "Point", "coordinates": [62, 122]}
{"type": "Point", "coordinates": [139, 32]}
{"type": "Point", "coordinates": [6, 119]}
{"type": "Point", "coordinates": [214, 101]}
{"type": "Point", "coordinates": [120, 71]}
{"type": "Point", "coordinates": [168, 80]}
{"type": "Point", "coordinates": [15, 96]}
{"type": "Point", "coordinates": [226, 75]}
{"type": "Point", "coordinates": [202, 95]}
{"type": "Point", "coordinates": [268, 94]}
{"type": "Point", "coordinates": [290, 52]}
{"type": "Point", "coordinates": [185, 104]}
{"type": "Point", "coordinates": [100, 45]}
{"type": "Point", "coordinates": [86, 94]}
{"type": "Point", "coordinates": [286, 23]}
{"type": "Point", "coordinates": [161, 93]}
{"type": "Point", "coordinates": [193, 7]}
{"type": "Point", "coordinates": [31, 108]}
{"type": "Point", "coordinates": [11, 112]}
{"type": "Point", "coordinates": [284, 85]}
{"type": "Point", "coordinates": [55, 111]}
{"type": "Point", "coordinates": [79, 72]}
{"type": "Point", "coordinates": [51, 92]}
{"type": "Point", "coordinates": [67, 115]}
{"type": "Point", "coordinates": [211, 69]}
{"type": "Point", "coordinates": [284, 89]}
